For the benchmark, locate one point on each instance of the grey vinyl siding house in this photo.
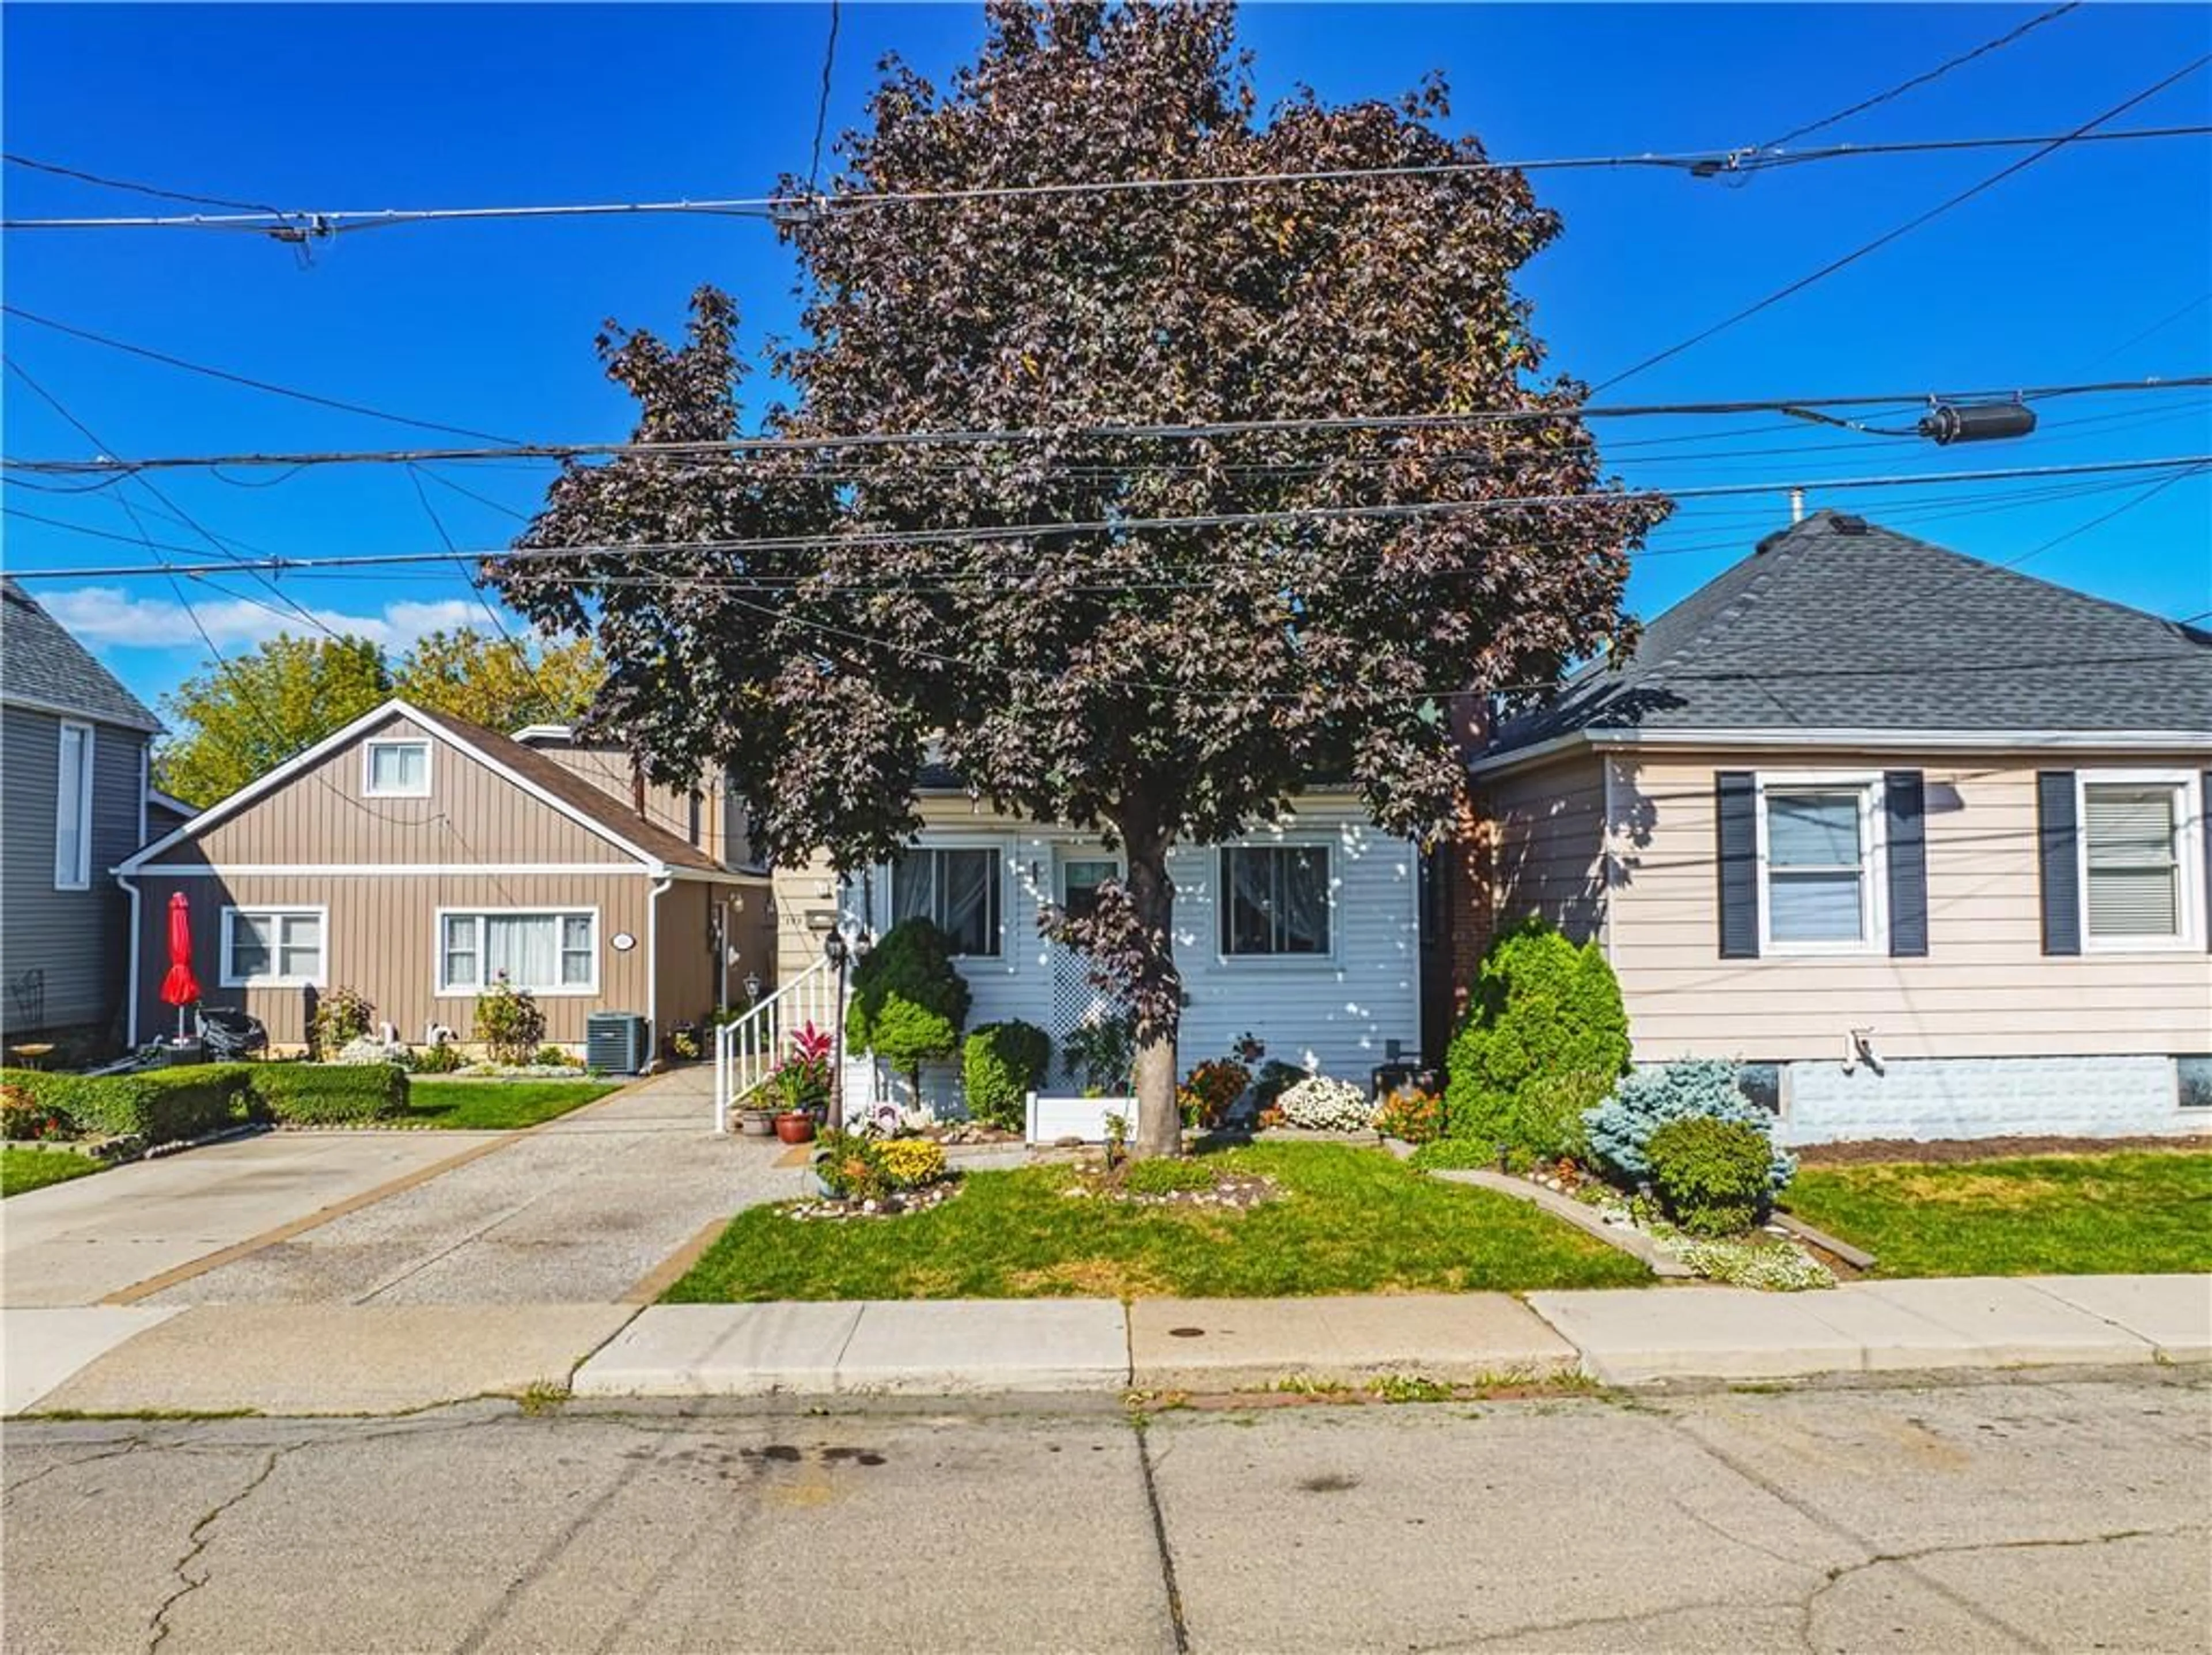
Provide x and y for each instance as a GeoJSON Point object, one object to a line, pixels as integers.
{"type": "Point", "coordinates": [74, 747]}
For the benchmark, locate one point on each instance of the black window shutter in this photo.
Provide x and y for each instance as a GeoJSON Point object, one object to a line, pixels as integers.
{"type": "Point", "coordinates": [2205, 834]}
{"type": "Point", "coordinates": [1736, 799]}
{"type": "Point", "coordinates": [1904, 803]}
{"type": "Point", "coordinates": [2057, 846]}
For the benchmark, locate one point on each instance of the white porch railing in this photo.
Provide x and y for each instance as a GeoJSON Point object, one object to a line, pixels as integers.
{"type": "Point", "coordinates": [748, 1048]}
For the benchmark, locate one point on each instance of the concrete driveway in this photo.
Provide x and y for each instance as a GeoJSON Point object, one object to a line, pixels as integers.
{"type": "Point", "coordinates": [77, 1243]}
{"type": "Point", "coordinates": [583, 1210]}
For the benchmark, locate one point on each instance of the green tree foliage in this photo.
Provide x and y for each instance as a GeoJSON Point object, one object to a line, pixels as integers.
{"type": "Point", "coordinates": [239, 721]}
{"type": "Point", "coordinates": [503, 684]}
{"type": "Point", "coordinates": [908, 1004]}
{"type": "Point", "coordinates": [1542, 1008]}
{"type": "Point", "coordinates": [1712, 1174]}
{"type": "Point", "coordinates": [236, 721]}
{"type": "Point", "coordinates": [1149, 684]}
{"type": "Point", "coordinates": [1001, 1064]}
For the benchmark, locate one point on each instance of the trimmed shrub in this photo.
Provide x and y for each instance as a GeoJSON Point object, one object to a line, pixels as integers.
{"type": "Point", "coordinates": [444, 1058]}
{"type": "Point", "coordinates": [328, 1094]}
{"type": "Point", "coordinates": [1620, 1128]}
{"type": "Point", "coordinates": [851, 1167]}
{"type": "Point", "coordinates": [909, 1002]}
{"type": "Point", "coordinates": [1211, 1091]}
{"type": "Point", "coordinates": [1540, 1006]}
{"type": "Point", "coordinates": [1711, 1175]}
{"type": "Point", "coordinates": [341, 1016]}
{"type": "Point", "coordinates": [157, 1106]}
{"type": "Point", "coordinates": [509, 1022]}
{"type": "Point", "coordinates": [1548, 1112]}
{"type": "Point", "coordinates": [1001, 1064]}
{"type": "Point", "coordinates": [1322, 1104]}
{"type": "Point", "coordinates": [909, 1163]}
{"type": "Point", "coordinates": [1413, 1117]}
{"type": "Point", "coordinates": [1165, 1175]}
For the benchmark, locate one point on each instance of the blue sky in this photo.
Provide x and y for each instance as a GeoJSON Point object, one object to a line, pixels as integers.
{"type": "Point", "coordinates": [2052, 277]}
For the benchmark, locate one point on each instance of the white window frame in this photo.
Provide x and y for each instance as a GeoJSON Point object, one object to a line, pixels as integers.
{"type": "Point", "coordinates": [1063, 854]}
{"type": "Point", "coordinates": [368, 788]}
{"type": "Point", "coordinates": [1873, 860]}
{"type": "Point", "coordinates": [446, 990]}
{"type": "Point", "coordinates": [275, 979]}
{"type": "Point", "coordinates": [1329, 846]}
{"type": "Point", "coordinates": [77, 877]}
{"type": "Point", "coordinates": [1001, 851]}
{"type": "Point", "coordinates": [2189, 828]}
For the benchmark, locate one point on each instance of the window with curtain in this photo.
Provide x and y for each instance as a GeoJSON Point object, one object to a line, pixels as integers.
{"type": "Point", "coordinates": [1275, 900]}
{"type": "Point", "coordinates": [275, 947]}
{"type": "Point", "coordinates": [2132, 852]}
{"type": "Point", "coordinates": [1819, 864]}
{"type": "Point", "coordinates": [538, 952]}
{"type": "Point", "coordinates": [73, 810]}
{"type": "Point", "coordinates": [957, 890]}
{"type": "Point", "coordinates": [398, 770]}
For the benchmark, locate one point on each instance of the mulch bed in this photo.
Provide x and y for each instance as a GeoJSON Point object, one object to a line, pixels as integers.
{"type": "Point", "coordinates": [1874, 1150]}
{"type": "Point", "coordinates": [835, 1209]}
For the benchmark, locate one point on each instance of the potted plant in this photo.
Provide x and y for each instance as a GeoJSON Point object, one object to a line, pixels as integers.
{"type": "Point", "coordinates": [794, 1125]}
{"type": "Point", "coordinates": [800, 1085]}
{"type": "Point", "coordinates": [757, 1115]}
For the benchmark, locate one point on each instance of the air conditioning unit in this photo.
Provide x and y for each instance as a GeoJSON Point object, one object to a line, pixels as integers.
{"type": "Point", "coordinates": [615, 1042]}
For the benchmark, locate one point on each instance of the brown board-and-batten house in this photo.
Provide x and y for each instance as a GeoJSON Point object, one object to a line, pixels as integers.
{"type": "Point", "coordinates": [417, 858]}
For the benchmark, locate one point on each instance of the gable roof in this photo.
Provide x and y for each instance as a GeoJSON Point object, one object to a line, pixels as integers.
{"type": "Point", "coordinates": [42, 666]}
{"type": "Point", "coordinates": [596, 805]}
{"type": "Point", "coordinates": [533, 772]}
{"type": "Point", "coordinates": [1837, 625]}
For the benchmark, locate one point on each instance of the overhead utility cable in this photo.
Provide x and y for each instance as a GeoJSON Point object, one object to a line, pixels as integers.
{"type": "Point", "coordinates": [296, 224]}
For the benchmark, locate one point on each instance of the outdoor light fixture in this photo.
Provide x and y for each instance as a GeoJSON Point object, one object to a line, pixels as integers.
{"type": "Point", "coordinates": [752, 986]}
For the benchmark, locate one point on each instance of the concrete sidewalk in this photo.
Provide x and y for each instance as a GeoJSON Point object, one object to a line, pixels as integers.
{"type": "Point", "coordinates": [381, 1358]}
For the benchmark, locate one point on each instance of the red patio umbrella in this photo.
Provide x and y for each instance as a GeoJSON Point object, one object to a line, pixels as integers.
{"type": "Point", "coordinates": [180, 987]}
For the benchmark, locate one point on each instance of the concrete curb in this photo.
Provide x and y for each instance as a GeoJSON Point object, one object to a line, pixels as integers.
{"type": "Point", "coordinates": [1634, 1242]}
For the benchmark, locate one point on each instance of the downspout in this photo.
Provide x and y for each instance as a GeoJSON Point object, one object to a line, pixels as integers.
{"type": "Point", "coordinates": [662, 879]}
{"type": "Point", "coordinates": [130, 980]}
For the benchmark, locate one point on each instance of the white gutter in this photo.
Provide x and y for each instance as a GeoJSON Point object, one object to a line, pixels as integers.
{"type": "Point", "coordinates": [131, 978]}
{"type": "Point", "coordinates": [661, 881]}
{"type": "Point", "coordinates": [1862, 740]}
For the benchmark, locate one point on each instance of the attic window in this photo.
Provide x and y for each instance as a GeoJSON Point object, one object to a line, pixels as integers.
{"type": "Point", "coordinates": [397, 770]}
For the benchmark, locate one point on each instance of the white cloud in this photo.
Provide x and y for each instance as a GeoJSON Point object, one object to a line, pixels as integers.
{"type": "Point", "coordinates": [109, 616]}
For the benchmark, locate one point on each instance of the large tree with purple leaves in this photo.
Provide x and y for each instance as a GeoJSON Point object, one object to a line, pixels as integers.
{"type": "Point", "coordinates": [1148, 683]}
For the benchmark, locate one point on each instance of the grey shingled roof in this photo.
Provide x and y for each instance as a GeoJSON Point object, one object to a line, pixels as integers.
{"type": "Point", "coordinates": [1839, 623]}
{"type": "Point", "coordinates": [41, 663]}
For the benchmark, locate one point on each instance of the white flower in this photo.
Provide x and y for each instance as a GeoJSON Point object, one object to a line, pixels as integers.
{"type": "Point", "coordinates": [1325, 1105]}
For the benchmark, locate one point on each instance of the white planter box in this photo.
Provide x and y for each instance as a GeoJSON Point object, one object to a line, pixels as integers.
{"type": "Point", "coordinates": [1052, 1119]}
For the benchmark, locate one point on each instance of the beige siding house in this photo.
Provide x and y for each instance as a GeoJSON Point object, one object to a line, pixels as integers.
{"type": "Point", "coordinates": [417, 858]}
{"type": "Point", "coordinates": [1918, 842]}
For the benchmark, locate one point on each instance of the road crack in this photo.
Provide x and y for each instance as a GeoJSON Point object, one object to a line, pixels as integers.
{"type": "Point", "coordinates": [202, 1533]}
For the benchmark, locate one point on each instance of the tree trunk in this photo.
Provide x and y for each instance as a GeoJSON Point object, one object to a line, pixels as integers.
{"type": "Point", "coordinates": [1157, 999]}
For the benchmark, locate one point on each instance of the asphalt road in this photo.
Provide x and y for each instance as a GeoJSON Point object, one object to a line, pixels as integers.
{"type": "Point", "coordinates": [2014, 1514]}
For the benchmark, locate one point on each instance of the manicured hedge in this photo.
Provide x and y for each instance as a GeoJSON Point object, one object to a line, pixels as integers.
{"type": "Point", "coordinates": [158, 1105]}
{"type": "Point", "coordinates": [328, 1094]}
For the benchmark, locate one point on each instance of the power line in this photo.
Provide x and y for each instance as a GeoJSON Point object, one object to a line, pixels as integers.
{"type": "Point", "coordinates": [1924, 77]}
{"type": "Point", "coordinates": [226, 375]}
{"type": "Point", "coordinates": [1207, 430]}
{"type": "Point", "coordinates": [299, 225]}
{"type": "Point", "coordinates": [153, 190]}
{"type": "Point", "coordinates": [2158, 326]}
{"type": "Point", "coordinates": [982, 534]}
{"type": "Point", "coordinates": [2049, 148]}
{"type": "Point", "coordinates": [822, 106]}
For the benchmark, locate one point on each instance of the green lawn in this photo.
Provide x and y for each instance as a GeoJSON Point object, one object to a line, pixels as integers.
{"type": "Point", "coordinates": [496, 1106]}
{"type": "Point", "coordinates": [1350, 1220]}
{"type": "Point", "coordinates": [2126, 1212]}
{"type": "Point", "coordinates": [33, 1169]}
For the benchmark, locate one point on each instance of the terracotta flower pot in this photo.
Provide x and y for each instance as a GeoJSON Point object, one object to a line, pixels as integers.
{"type": "Point", "coordinates": [795, 1128]}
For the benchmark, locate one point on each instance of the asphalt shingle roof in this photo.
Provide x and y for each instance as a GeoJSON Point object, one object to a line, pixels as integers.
{"type": "Point", "coordinates": [1839, 623]}
{"type": "Point", "coordinates": [40, 662]}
